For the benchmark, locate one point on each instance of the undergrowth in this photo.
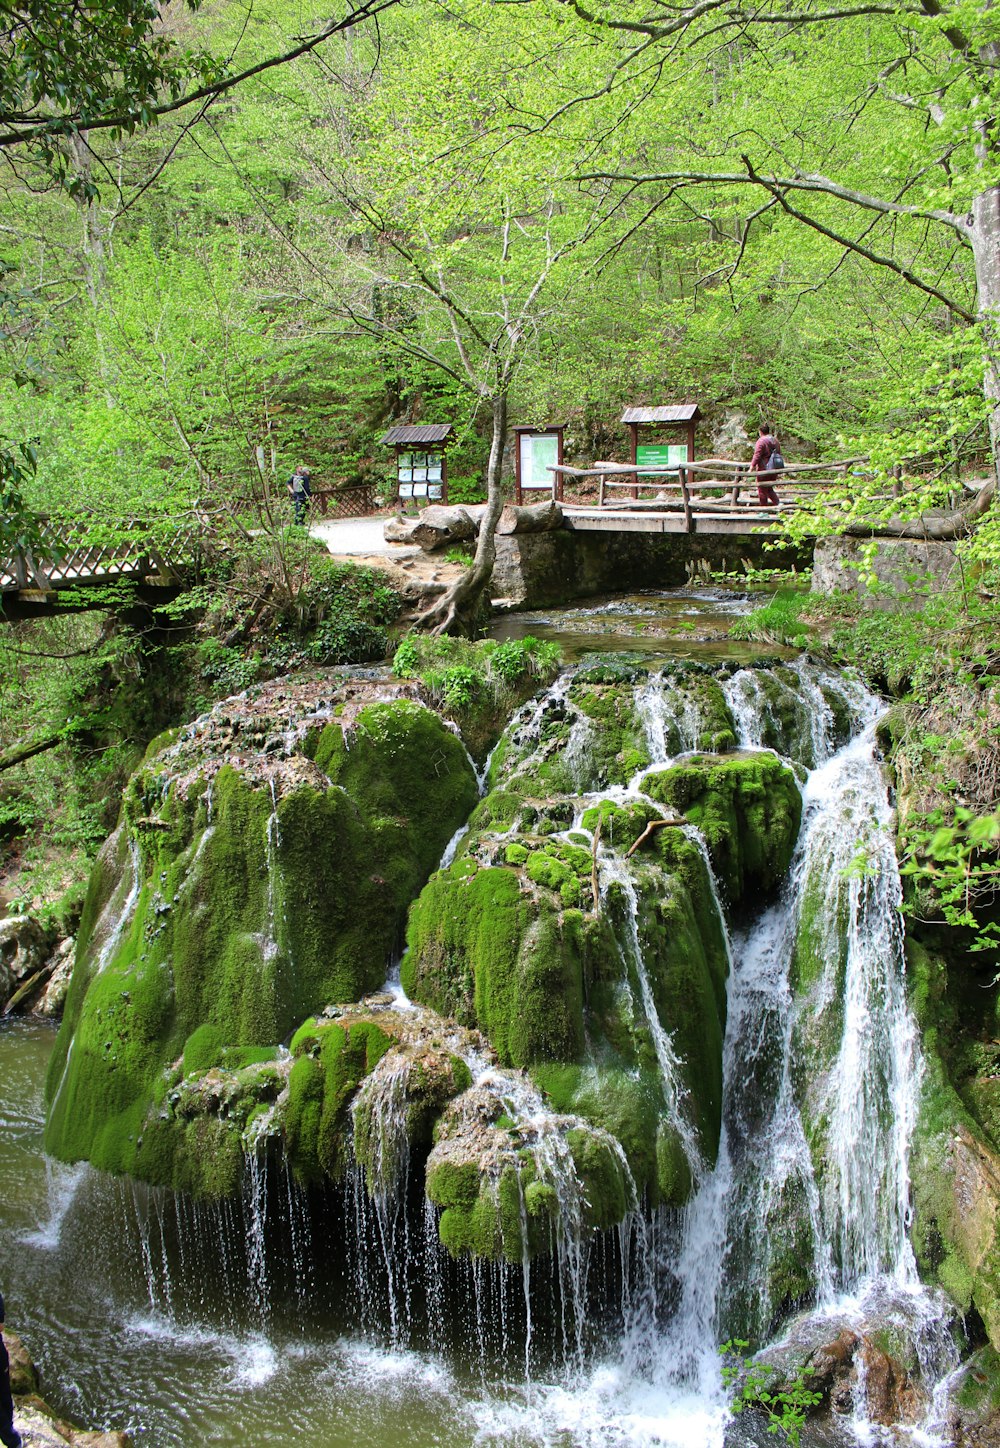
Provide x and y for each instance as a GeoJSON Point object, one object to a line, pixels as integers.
{"type": "Point", "coordinates": [476, 684]}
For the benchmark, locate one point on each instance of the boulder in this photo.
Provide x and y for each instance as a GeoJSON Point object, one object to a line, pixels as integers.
{"type": "Point", "coordinates": [747, 807]}
{"type": "Point", "coordinates": [905, 570]}
{"type": "Point", "coordinates": [23, 949]}
{"type": "Point", "coordinates": [53, 996]}
{"type": "Point", "coordinates": [524, 940]}
{"type": "Point", "coordinates": [262, 869]}
{"type": "Point", "coordinates": [439, 527]}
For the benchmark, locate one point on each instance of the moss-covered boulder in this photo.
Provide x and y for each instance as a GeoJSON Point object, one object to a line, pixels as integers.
{"type": "Point", "coordinates": [508, 1176]}
{"type": "Point", "coordinates": [262, 869]}
{"type": "Point", "coordinates": [748, 809]}
{"type": "Point", "coordinates": [513, 939]}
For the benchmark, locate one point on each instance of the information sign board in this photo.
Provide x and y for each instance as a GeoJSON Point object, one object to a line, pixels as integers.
{"type": "Point", "coordinates": [661, 454]}
{"type": "Point", "coordinates": [538, 454]}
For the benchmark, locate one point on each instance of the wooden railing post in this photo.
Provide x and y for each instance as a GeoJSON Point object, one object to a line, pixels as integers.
{"type": "Point", "coordinates": [682, 475]}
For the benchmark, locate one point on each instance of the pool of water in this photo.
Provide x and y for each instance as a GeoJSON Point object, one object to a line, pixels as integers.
{"type": "Point", "coordinates": [686, 623]}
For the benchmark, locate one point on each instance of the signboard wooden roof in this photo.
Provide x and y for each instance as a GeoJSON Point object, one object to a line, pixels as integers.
{"type": "Point", "coordinates": [685, 412]}
{"type": "Point", "coordinates": [417, 433]}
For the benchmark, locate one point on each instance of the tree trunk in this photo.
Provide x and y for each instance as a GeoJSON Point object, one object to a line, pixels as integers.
{"type": "Point", "coordinates": [986, 253]}
{"type": "Point", "coordinates": [943, 528]}
{"type": "Point", "coordinates": [534, 518]}
{"type": "Point", "coordinates": [438, 527]}
{"type": "Point", "coordinates": [456, 610]}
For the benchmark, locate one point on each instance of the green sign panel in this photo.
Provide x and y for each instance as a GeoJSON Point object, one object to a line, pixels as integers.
{"type": "Point", "coordinates": [661, 454]}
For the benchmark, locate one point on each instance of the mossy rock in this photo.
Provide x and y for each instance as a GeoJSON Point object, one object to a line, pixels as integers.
{"type": "Point", "coordinates": [505, 948]}
{"type": "Point", "coordinates": [482, 950]}
{"type": "Point", "coordinates": [233, 902]}
{"type": "Point", "coordinates": [747, 807]}
{"type": "Point", "coordinates": [330, 1063]}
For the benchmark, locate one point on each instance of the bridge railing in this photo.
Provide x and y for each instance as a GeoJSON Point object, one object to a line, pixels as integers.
{"type": "Point", "coordinates": [709, 487]}
{"type": "Point", "coordinates": [68, 552]}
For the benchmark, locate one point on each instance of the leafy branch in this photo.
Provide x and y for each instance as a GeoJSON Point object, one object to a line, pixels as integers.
{"type": "Point", "coordinates": [786, 1406]}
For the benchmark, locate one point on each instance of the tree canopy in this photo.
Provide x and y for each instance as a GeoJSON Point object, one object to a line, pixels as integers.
{"type": "Point", "coordinates": [418, 212]}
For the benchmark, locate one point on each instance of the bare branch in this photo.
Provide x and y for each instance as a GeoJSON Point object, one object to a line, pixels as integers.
{"type": "Point", "coordinates": [795, 182]}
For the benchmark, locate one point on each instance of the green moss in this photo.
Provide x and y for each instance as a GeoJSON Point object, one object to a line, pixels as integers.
{"type": "Point", "coordinates": [673, 1170]}
{"type": "Point", "coordinates": [241, 926]}
{"type": "Point", "coordinates": [606, 1196]}
{"type": "Point", "coordinates": [453, 1184]}
{"type": "Point", "coordinates": [203, 1048]}
{"type": "Point", "coordinates": [320, 1089]}
{"type": "Point", "coordinates": [747, 807]}
{"type": "Point", "coordinates": [482, 951]}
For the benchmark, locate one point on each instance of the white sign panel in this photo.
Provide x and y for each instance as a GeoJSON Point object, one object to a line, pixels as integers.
{"type": "Point", "coordinates": [538, 454]}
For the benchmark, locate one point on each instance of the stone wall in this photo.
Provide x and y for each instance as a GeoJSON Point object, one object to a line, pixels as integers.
{"type": "Point", "coordinates": [539, 569]}
{"type": "Point", "coordinates": [904, 568]}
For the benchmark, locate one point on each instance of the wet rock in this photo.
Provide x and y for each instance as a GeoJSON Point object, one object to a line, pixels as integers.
{"type": "Point", "coordinates": [38, 1425]}
{"type": "Point", "coordinates": [23, 948]}
{"type": "Point", "coordinates": [41, 1428]}
{"type": "Point", "coordinates": [23, 1373]}
{"type": "Point", "coordinates": [275, 881]}
{"type": "Point", "coordinates": [866, 1366]}
{"type": "Point", "coordinates": [53, 997]}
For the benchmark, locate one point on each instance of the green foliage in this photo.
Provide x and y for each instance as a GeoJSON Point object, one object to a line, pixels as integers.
{"type": "Point", "coordinates": [786, 1406]}
{"type": "Point", "coordinates": [20, 527]}
{"type": "Point", "coordinates": [477, 683]}
{"type": "Point", "coordinates": [775, 622]}
{"type": "Point", "coordinates": [466, 489]}
{"type": "Point", "coordinates": [958, 864]}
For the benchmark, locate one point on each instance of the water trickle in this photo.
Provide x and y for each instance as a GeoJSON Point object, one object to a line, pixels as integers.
{"type": "Point", "coordinates": [614, 871]}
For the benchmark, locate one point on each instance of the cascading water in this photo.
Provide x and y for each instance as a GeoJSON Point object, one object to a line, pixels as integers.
{"type": "Point", "coordinates": [807, 1200]}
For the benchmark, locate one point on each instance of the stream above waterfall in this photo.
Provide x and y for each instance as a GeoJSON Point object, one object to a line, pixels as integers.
{"type": "Point", "coordinates": [239, 1323]}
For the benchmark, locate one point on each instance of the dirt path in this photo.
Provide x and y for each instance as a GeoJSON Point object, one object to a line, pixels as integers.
{"type": "Point", "coordinates": [418, 575]}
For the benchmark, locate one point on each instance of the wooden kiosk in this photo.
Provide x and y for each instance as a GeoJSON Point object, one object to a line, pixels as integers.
{"type": "Point", "coordinates": [671, 437]}
{"type": "Point", "coordinates": [421, 464]}
{"type": "Point", "coordinates": [536, 449]}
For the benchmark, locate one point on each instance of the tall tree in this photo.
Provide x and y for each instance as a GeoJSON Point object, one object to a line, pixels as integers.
{"type": "Point", "coordinates": [67, 68]}
{"type": "Point", "coordinates": [872, 125]}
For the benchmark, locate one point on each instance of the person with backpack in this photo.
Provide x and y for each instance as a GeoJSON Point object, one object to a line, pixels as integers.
{"type": "Point", "coordinates": [299, 487]}
{"type": "Point", "coordinates": [766, 463]}
{"type": "Point", "coordinates": [9, 1436]}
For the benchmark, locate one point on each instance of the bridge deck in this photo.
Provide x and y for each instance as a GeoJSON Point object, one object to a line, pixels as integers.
{"type": "Point", "coordinates": [664, 520]}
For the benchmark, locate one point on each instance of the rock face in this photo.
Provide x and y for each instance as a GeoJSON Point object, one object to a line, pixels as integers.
{"type": "Point", "coordinates": [262, 869]}
{"type": "Point", "coordinates": [564, 1057]}
{"type": "Point", "coordinates": [903, 568]}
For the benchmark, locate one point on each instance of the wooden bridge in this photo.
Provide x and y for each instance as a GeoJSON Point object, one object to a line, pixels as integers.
{"type": "Point", "coordinates": [711, 496]}
{"type": "Point", "coordinates": [82, 553]}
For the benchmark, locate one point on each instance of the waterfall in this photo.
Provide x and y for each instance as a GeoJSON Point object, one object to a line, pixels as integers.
{"type": "Point", "coordinates": [612, 1337]}
{"type": "Point", "coordinates": [615, 871]}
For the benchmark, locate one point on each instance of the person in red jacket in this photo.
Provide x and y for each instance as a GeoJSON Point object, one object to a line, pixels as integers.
{"type": "Point", "coordinates": [9, 1436]}
{"type": "Point", "coordinates": [767, 444]}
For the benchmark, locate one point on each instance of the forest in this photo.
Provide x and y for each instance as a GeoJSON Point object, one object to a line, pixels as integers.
{"type": "Point", "coordinates": [241, 235]}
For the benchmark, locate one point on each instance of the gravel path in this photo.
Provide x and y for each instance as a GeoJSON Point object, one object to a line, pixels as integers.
{"type": "Point", "coordinates": [358, 535]}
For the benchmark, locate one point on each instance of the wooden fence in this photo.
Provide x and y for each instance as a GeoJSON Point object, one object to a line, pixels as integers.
{"type": "Point", "coordinates": [76, 553]}
{"type": "Point", "coordinates": [711, 488]}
